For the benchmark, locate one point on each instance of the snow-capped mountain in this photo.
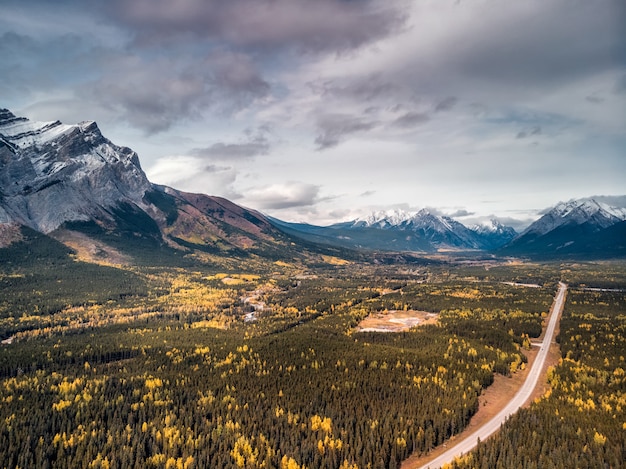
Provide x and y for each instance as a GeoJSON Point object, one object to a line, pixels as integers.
{"type": "Point", "coordinates": [443, 231]}
{"type": "Point", "coordinates": [383, 219]}
{"type": "Point", "coordinates": [440, 231]}
{"type": "Point", "coordinates": [65, 179]}
{"type": "Point", "coordinates": [51, 173]}
{"type": "Point", "coordinates": [397, 230]}
{"type": "Point", "coordinates": [494, 234]}
{"type": "Point", "coordinates": [574, 227]}
{"type": "Point", "coordinates": [577, 212]}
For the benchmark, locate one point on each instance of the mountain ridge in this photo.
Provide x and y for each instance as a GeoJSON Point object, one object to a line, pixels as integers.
{"type": "Point", "coordinates": [57, 177]}
{"type": "Point", "coordinates": [396, 230]}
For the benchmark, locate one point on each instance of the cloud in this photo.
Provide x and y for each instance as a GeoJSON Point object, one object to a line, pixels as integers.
{"type": "Point", "coordinates": [285, 195]}
{"type": "Point", "coordinates": [321, 25]}
{"type": "Point", "coordinates": [154, 94]}
{"type": "Point", "coordinates": [411, 119]}
{"type": "Point", "coordinates": [333, 128]}
{"type": "Point", "coordinates": [536, 130]}
{"type": "Point", "coordinates": [236, 74]}
{"type": "Point", "coordinates": [255, 145]}
{"type": "Point", "coordinates": [446, 104]}
{"type": "Point", "coordinates": [614, 200]}
{"type": "Point", "coordinates": [366, 88]}
{"type": "Point", "coordinates": [233, 151]}
{"type": "Point", "coordinates": [460, 213]}
{"type": "Point", "coordinates": [594, 99]}
{"type": "Point", "coordinates": [537, 42]}
{"type": "Point", "coordinates": [191, 174]}
{"type": "Point", "coordinates": [620, 85]}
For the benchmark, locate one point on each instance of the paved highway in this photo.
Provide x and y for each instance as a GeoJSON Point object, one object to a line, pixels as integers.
{"type": "Point", "coordinates": [520, 398]}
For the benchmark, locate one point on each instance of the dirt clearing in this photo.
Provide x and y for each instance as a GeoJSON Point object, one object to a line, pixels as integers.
{"type": "Point", "coordinates": [396, 321]}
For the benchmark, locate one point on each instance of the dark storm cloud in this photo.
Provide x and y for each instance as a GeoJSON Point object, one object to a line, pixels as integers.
{"type": "Point", "coordinates": [554, 43]}
{"type": "Point", "coordinates": [318, 25]}
{"type": "Point", "coordinates": [158, 63]}
{"type": "Point", "coordinates": [154, 94]}
{"type": "Point", "coordinates": [333, 128]}
{"type": "Point", "coordinates": [236, 73]}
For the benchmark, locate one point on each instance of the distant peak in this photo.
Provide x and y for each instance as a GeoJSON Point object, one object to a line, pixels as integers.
{"type": "Point", "coordinates": [577, 212]}
{"type": "Point", "coordinates": [385, 218]}
{"type": "Point", "coordinates": [424, 213]}
{"type": "Point", "coordinates": [7, 117]}
{"type": "Point", "coordinates": [587, 207]}
{"type": "Point", "coordinates": [6, 114]}
{"type": "Point", "coordinates": [88, 126]}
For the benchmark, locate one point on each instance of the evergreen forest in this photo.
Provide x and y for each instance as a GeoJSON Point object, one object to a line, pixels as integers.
{"type": "Point", "coordinates": [112, 366]}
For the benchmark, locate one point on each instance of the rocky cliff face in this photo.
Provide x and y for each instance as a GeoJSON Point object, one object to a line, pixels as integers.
{"type": "Point", "coordinates": [51, 173]}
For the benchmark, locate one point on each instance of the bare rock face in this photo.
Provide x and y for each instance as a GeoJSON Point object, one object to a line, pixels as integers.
{"type": "Point", "coordinates": [51, 173]}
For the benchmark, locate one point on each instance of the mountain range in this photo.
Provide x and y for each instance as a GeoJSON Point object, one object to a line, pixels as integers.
{"type": "Point", "coordinates": [402, 231]}
{"type": "Point", "coordinates": [71, 183]}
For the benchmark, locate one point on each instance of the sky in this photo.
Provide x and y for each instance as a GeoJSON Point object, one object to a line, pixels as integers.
{"type": "Point", "coordinates": [323, 111]}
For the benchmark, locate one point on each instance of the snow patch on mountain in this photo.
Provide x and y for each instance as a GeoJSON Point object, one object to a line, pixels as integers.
{"type": "Point", "coordinates": [22, 132]}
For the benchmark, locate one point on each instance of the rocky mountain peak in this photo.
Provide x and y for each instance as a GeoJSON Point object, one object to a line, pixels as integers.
{"type": "Point", "coordinates": [51, 173]}
{"type": "Point", "coordinates": [6, 117]}
{"type": "Point", "coordinates": [577, 212]}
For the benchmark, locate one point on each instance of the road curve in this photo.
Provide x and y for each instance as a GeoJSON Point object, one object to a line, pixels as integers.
{"type": "Point", "coordinates": [520, 398]}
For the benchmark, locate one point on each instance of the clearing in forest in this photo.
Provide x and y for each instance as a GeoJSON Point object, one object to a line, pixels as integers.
{"type": "Point", "coordinates": [396, 321]}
